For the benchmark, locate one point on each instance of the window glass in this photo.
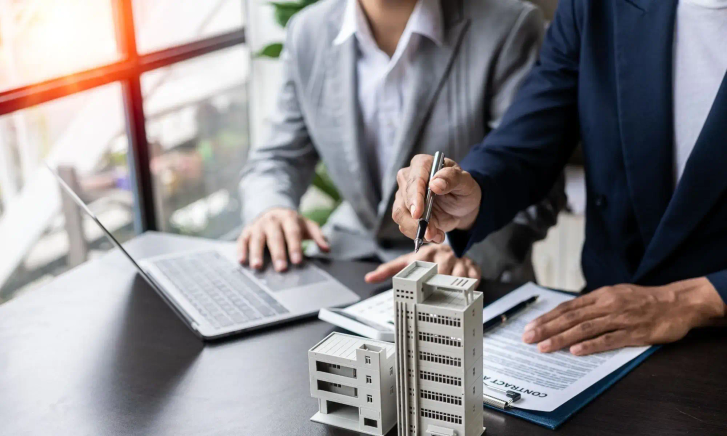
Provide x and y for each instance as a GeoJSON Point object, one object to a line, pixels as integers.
{"type": "Point", "coordinates": [84, 135]}
{"type": "Point", "coordinates": [197, 127]}
{"type": "Point", "coordinates": [164, 23]}
{"type": "Point", "coordinates": [42, 39]}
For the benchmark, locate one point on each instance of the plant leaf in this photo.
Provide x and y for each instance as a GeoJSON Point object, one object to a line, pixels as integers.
{"type": "Point", "coordinates": [323, 182]}
{"type": "Point", "coordinates": [271, 50]}
{"type": "Point", "coordinates": [284, 11]}
{"type": "Point", "coordinates": [319, 215]}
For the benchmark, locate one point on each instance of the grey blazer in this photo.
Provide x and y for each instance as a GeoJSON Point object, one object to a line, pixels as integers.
{"type": "Point", "coordinates": [461, 91]}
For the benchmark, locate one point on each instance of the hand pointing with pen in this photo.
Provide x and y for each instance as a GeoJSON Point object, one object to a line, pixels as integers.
{"type": "Point", "coordinates": [456, 206]}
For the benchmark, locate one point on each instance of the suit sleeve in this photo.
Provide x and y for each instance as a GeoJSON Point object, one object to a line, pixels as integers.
{"type": "Point", "coordinates": [279, 171]}
{"type": "Point", "coordinates": [518, 164]}
{"type": "Point", "coordinates": [719, 281]}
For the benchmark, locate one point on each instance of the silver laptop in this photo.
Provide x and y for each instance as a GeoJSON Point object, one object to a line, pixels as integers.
{"type": "Point", "coordinates": [216, 297]}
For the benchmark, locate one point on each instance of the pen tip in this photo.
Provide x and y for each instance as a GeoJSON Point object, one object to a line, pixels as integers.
{"type": "Point", "coordinates": [417, 245]}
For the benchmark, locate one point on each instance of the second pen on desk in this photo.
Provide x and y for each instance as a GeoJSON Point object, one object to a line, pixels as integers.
{"type": "Point", "coordinates": [437, 165]}
{"type": "Point", "coordinates": [509, 313]}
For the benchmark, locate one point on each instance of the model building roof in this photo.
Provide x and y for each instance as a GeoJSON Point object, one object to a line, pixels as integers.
{"type": "Point", "coordinates": [345, 346]}
{"type": "Point", "coordinates": [448, 299]}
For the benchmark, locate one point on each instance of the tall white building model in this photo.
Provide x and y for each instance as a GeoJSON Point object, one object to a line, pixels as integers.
{"type": "Point", "coordinates": [354, 381]}
{"type": "Point", "coordinates": [438, 322]}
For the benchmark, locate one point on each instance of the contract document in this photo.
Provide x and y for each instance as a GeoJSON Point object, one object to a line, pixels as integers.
{"type": "Point", "coordinates": [544, 381]}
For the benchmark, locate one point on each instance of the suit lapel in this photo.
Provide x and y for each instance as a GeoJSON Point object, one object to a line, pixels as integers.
{"type": "Point", "coordinates": [644, 45]}
{"type": "Point", "coordinates": [431, 65]}
{"type": "Point", "coordinates": [339, 104]}
{"type": "Point", "coordinates": [701, 186]}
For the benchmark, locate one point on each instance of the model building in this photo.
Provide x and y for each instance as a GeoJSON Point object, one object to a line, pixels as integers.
{"type": "Point", "coordinates": [354, 381]}
{"type": "Point", "coordinates": [438, 353]}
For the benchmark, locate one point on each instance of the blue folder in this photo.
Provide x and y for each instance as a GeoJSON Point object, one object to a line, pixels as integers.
{"type": "Point", "coordinates": [554, 419]}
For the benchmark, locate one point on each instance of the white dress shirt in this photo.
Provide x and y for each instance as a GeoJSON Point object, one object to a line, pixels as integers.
{"type": "Point", "coordinates": [383, 81]}
{"type": "Point", "coordinates": [700, 64]}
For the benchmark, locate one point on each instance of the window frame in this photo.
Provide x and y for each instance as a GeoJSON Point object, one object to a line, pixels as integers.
{"type": "Point", "coordinates": [127, 71]}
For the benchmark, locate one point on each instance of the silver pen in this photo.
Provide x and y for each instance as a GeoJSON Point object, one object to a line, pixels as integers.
{"type": "Point", "coordinates": [437, 165]}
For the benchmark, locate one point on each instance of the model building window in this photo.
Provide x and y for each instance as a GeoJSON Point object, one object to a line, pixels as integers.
{"type": "Point", "coordinates": [369, 399]}
{"type": "Point", "coordinates": [367, 359]}
{"type": "Point", "coordinates": [368, 379]}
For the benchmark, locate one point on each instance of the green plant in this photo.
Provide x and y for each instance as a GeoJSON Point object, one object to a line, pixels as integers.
{"type": "Point", "coordinates": [283, 12]}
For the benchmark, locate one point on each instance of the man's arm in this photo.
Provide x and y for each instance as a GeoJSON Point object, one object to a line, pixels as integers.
{"type": "Point", "coordinates": [518, 163]}
{"type": "Point", "coordinates": [276, 176]}
{"type": "Point", "coordinates": [517, 58]}
{"type": "Point", "coordinates": [279, 171]}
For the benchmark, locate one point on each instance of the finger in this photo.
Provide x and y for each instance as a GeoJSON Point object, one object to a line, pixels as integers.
{"type": "Point", "coordinates": [400, 215]}
{"type": "Point", "coordinates": [432, 229]}
{"type": "Point", "coordinates": [276, 245]}
{"type": "Point", "coordinates": [434, 232]}
{"type": "Point", "coordinates": [445, 260]}
{"type": "Point", "coordinates": [473, 272]}
{"type": "Point", "coordinates": [242, 242]}
{"type": "Point", "coordinates": [460, 269]}
{"type": "Point", "coordinates": [562, 323]}
{"type": "Point", "coordinates": [416, 184]}
{"type": "Point", "coordinates": [293, 239]}
{"type": "Point", "coordinates": [315, 233]}
{"type": "Point", "coordinates": [562, 308]}
{"type": "Point", "coordinates": [580, 332]}
{"type": "Point", "coordinates": [257, 247]}
{"type": "Point", "coordinates": [606, 342]}
{"type": "Point", "coordinates": [426, 253]}
{"type": "Point", "coordinates": [388, 269]}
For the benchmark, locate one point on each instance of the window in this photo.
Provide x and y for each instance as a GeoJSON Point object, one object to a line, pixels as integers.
{"type": "Point", "coordinates": [196, 126]}
{"type": "Point", "coordinates": [82, 136]}
{"type": "Point", "coordinates": [371, 422]}
{"type": "Point", "coordinates": [369, 399]}
{"type": "Point", "coordinates": [40, 40]}
{"type": "Point", "coordinates": [193, 20]}
{"type": "Point", "coordinates": [368, 379]}
{"type": "Point", "coordinates": [391, 370]}
{"type": "Point", "coordinates": [367, 359]}
{"type": "Point", "coordinates": [105, 87]}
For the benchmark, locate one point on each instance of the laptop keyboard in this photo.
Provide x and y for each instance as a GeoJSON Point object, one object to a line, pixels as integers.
{"type": "Point", "coordinates": [222, 293]}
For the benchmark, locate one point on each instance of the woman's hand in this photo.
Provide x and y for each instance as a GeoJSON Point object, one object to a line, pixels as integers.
{"type": "Point", "coordinates": [442, 255]}
{"type": "Point", "coordinates": [283, 231]}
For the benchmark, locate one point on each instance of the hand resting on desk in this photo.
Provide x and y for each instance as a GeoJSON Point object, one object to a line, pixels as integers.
{"type": "Point", "coordinates": [442, 255]}
{"type": "Point", "coordinates": [626, 315]}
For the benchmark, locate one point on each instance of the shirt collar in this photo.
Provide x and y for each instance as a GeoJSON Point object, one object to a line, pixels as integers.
{"type": "Point", "coordinates": [426, 20]}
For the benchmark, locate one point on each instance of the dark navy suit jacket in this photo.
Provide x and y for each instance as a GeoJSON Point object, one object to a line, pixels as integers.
{"type": "Point", "coordinates": [604, 78]}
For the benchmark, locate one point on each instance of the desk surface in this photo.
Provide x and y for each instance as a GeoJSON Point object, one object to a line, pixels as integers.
{"type": "Point", "coordinates": [97, 352]}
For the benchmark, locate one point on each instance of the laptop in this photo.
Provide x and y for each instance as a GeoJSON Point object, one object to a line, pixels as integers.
{"type": "Point", "coordinates": [217, 297]}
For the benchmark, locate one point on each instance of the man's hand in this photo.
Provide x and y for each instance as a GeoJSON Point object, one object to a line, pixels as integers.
{"type": "Point", "coordinates": [278, 228]}
{"type": "Point", "coordinates": [441, 254]}
{"type": "Point", "coordinates": [456, 206]}
{"type": "Point", "coordinates": [626, 315]}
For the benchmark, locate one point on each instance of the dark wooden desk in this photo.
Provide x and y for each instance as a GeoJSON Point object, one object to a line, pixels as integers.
{"type": "Point", "coordinates": [97, 352]}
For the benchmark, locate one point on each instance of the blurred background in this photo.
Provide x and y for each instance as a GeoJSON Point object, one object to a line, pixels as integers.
{"type": "Point", "coordinates": [149, 108]}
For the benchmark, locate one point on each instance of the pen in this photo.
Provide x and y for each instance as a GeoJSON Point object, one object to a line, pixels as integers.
{"type": "Point", "coordinates": [437, 165]}
{"type": "Point", "coordinates": [509, 313]}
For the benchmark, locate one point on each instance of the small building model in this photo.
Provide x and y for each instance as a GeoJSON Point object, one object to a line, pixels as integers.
{"type": "Point", "coordinates": [438, 321]}
{"type": "Point", "coordinates": [353, 379]}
